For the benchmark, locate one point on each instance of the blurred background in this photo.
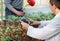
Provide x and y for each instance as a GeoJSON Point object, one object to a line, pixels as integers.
{"type": "Point", "coordinates": [40, 6]}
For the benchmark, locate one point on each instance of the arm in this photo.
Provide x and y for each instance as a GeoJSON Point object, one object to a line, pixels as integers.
{"type": "Point", "coordinates": [43, 33]}
{"type": "Point", "coordinates": [10, 7]}
{"type": "Point", "coordinates": [46, 32]}
{"type": "Point", "coordinates": [44, 23]}
{"type": "Point", "coordinates": [39, 23]}
{"type": "Point", "coordinates": [8, 4]}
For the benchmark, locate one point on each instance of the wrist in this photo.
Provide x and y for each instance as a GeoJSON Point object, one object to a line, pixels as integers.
{"type": "Point", "coordinates": [14, 10]}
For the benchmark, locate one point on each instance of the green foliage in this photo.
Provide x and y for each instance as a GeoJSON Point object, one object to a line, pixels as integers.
{"type": "Point", "coordinates": [15, 18]}
{"type": "Point", "coordinates": [40, 16]}
{"type": "Point", "coordinates": [17, 30]}
{"type": "Point", "coordinates": [2, 38]}
{"type": "Point", "coordinates": [35, 16]}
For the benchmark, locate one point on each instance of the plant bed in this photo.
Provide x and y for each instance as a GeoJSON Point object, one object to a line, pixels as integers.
{"type": "Point", "coordinates": [10, 30]}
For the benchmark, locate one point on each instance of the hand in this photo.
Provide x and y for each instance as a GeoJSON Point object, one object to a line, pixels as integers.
{"type": "Point", "coordinates": [36, 23]}
{"type": "Point", "coordinates": [19, 13]}
{"type": "Point", "coordinates": [24, 25]}
{"type": "Point", "coordinates": [33, 22]}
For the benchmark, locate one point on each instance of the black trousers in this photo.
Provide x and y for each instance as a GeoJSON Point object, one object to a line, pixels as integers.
{"type": "Point", "coordinates": [9, 13]}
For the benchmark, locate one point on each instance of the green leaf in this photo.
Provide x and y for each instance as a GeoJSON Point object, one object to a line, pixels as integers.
{"type": "Point", "coordinates": [2, 38]}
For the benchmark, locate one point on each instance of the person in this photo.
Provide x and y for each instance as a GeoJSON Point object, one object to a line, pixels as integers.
{"type": "Point", "coordinates": [48, 30]}
{"type": "Point", "coordinates": [13, 7]}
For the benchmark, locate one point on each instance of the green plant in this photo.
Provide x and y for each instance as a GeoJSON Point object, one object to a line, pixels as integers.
{"type": "Point", "coordinates": [40, 16]}
{"type": "Point", "coordinates": [11, 29]}
{"type": "Point", "coordinates": [14, 18]}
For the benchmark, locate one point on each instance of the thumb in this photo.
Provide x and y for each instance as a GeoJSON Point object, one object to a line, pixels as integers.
{"type": "Point", "coordinates": [33, 24]}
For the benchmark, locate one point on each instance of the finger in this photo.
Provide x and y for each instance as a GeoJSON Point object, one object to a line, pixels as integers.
{"type": "Point", "coordinates": [30, 19]}
{"type": "Point", "coordinates": [33, 24]}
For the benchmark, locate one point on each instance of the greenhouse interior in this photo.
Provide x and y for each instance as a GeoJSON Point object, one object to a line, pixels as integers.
{"type": "Point", "coordinates": [21, 20]}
